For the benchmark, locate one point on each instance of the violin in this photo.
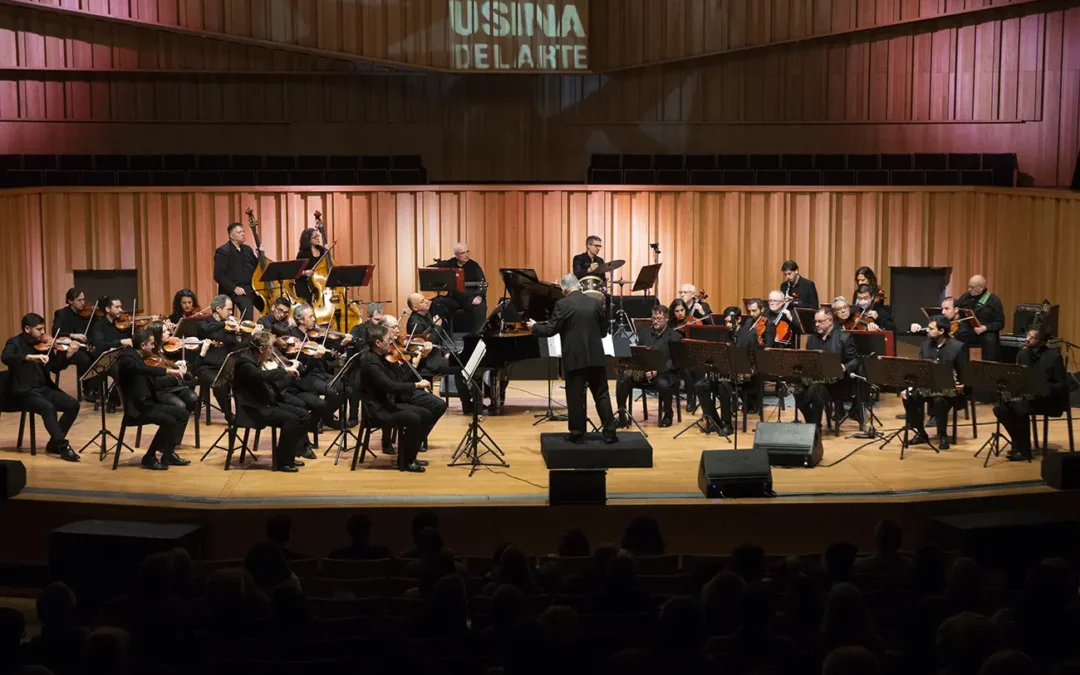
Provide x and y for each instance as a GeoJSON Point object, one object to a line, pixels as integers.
{"type": "Point", "coordinates": [174, 345]}
{"type": "Point", "coordinates": [319, 332]}
{"type": "Point", "coordinates": [196, 313]}
{"type": "Point", "coordinates": [856, 321]}
{"type": "Point", "coordinates": [60, 344]}
{"type": "Point", "coordinates": [158, 361]}
{"type": "Point", "coordinates": [90, 310]}
{"type": "Point", "coordinates": [234, 326]}
{"type": "Point", "coordinates": [140, 321]}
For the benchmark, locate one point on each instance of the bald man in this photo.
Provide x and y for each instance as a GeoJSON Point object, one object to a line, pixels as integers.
{"type": "Point", "coordinates": [473, 300]}
{"type": "Point", "coordinates": [438, 362]}
{"type": "Point", "coordinates": [990, 314]}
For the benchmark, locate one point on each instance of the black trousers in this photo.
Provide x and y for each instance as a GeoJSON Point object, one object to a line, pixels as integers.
{"type": "Point", "coordinates": [207, 375]}
{"type": "Point", "coordinates": [331, 396]}
{"type": "Point", "coordinates": [46, 402]}
{"type": "Point", "coordinates": [724, 391]}
{"type": "Point", "coordinates": [665, 383]}
{"type": "Point", "coordinates": [595, 378]}
{"type": "Point", "coordinates": [1015, 416]}
{"type": "Point", "coordinates": [689, 384]}
{"type": "Point", "coordinates": [413, 422]}
{"type": "Point", "coordinates": [445, 306]}
{"type": "Point", "coordinates": [171, 422]}
{"type": "Point", "coordinates": [294, 423]}
{"type": "Point", "coordinates": [990, 343]}
{"type": "Point", "coordinates": [435, 407]}
{"type": "Point", "coordinates": [811, 399]}
{"type": "Point", "coordinates": [914, 411]}
{"type": "Point", "coordinates": [437, 364]}
{"type": "Point", "coordinates": [244, 306]}
{"type": "Point", "coordinates": [182, 397]}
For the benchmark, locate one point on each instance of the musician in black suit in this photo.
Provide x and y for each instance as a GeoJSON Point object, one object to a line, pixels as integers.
{"type": "Point", "coordinates": [939, 347]}
{"type": "Point", "coordinates": [797, 285]}
{"type": "Point", "coordinates": [278, 320]}
{"type": "Point", "coordinates": [1016, 415]}
{"type": "Point", "coordinates": [580, 323]}
{"type": "Point", "coordinates": [990, 314]}
{"type": "Point", "coordinates": [104, 335]}
{"type": "Point", "coordinates": [745, 334]}
{"type": "Point", "coordinates": [586, 263]}
{"type": "Point", "coordinates": [258, 382]}
{"type": "Point", "coordinates": [213, 355]}
{"type": "Point", "coordinates": [473, 300]}
{"type": "Point", "coordinates": [438, 362]}
{"type": "Point", "coordinates": [317, 372]}
{"type": "Point", "coordinates": [877, 314]}
{"type": "Point", "coordinates": [68, 322]}
{"type": "Point", "coordinates": [695, 308]}
{"type": "Point", "coordinates": [830, 339]}
{"type": "Point", "coordinates": [384, 396]}
{"type": "Point", "coordinates": [660, 337]}
{"type": "Point", "coordinates": [30, 385]}
{"type": "Point", "coordinates": [136, 380]}
{"type": "Point", "coordinates": [234, 264]}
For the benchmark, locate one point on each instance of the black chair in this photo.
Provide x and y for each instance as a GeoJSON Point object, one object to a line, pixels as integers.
{"type": "Point", "coordinates": [607, 162]}
{"type": "Point", "coordinates": [61, 178]}
{"type": "Point", "coordinates": [11, 162]}
{"type": "Point", "coordinates": [837, 177]}
{"type": "Point", "coordinates": [672, 177]}
{"type": "Point", "coordinates": [171, 178]}
{"type": "Point", "coordinates": [244, 177]}
{"type": "Point", "coordinates": [129, 419]}
{"type": "Point", "coordinates": [930, 161]}
{"type": "Point", "coordinates": [248, 162]}
{"type": "Point", "coordinates": [965, 161]}
{"type": "Point", "coordinates": [669, 162]}
{"type": "Point", "coordinates": [732, 162]}
{"type": "Point", "coordinates": [907, 177]}
{"type": "Point", "coordinates": [637, 162]}
{"type": "Point", "coordinates": [639, 177]}
{"type": "Point", "coordinates": [179, 162]}
{"type": "Point", "coordinates": [797, 162]}
{"type": "Point", "coordinates": [24, 178]}
{"type": "Point", "coordinates": [764, 162]}
{"type": "Point", "coordinates": [976, 177]}
{"type": "Point", "coordinates": [311, 162]}
{"type": "Point", "coordinates": [830, 162]}
{"type": "Point", "coordinates": [871, 177]}
{"type": "Point", "coordinates": [771, 177]}
{"type": "Point", "coordinates": [366, 427]}
{"type": "Point", "coordinates": [701, 162]}
{"type": "Point", "coordinates": [134, 178]}
{"type": "Point", "coordinates": [706, 177]}
{"type": "Point", "coordinates": [897, 162]}
{"type": "Point", "coordinates": [213, 162]}
{"type": "Point", "coordinates": [244, 422]}
{"type": "Point", "coordinates": [340, 176]}
{"type": "Point", "coordinates": [344, 162]}
{"type": "Point", "coordinates": [804, 177]}
{"type": "Point", "coordinates": [306, 177]}
{"type": "Point", "coordinates": [40, 162]}
{"type": "Point", "coordinates": [373, 177]}
{"type": "Point", "coordinates": [408, 177]}
{"type": "Point", "coordinates": [97, 177]}
{"type": "Point", "coordinates": [146, 162]}
{"type": "Point", "coordinates": [605, 176]}
{"type": "Point", "coordinates": [406, 162]}
{"type": "Point", "coordinates": [7, 406]}
{"type": "Point", "coordinates": [272, 177]}
{"type": "Point", "coordinates": [739, 177]}
{"type": "Point", "coordinates": [76, 162]}
{"type": "Point", "coordinates": [204, 177]}
{"type": "Point", "coordinates": [280, 162]}
{"type": "Point", "coordinates": [1066, 414]}
{"type": "Point", "coordinates": [381, 162]}
{"type": "Point", "coordinates": [863, 162]}
{"type": "Point", "coordinates": [969, 413]}
{"type": "Point", "coordinates": [942, 177]}
{"type": "Point", "coordinates": [649, 387]}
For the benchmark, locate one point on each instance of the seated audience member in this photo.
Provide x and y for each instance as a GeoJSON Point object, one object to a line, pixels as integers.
{"type": "Point", "coordinates": [1009, 662]}
{"type": "Point", "coordinates": [593, 579]}
{"type": "Point", "coordinates": [851, 661]}
{"type": "Point", "coordinates": [573, 544]}
{"type": "Point", "coordinates": [965, 642]}
{"type": "Point", "coordinates": [722, 598]}
{"type": "Point", "coordinates": [359, 528]}
{"type": "Point", "coordinates": [420, 521]}
{"type": "Point", "coordinates": [447, 611]}
{"type": "Point", "coordinates": [514, 570]}
{"type": "Point", "coordinates": [107, 652]}
{"type": "Point", "coordinates": [268, 568]}
{"type": "Point", "coordinates": [887, 559]}
{"type": "Point", "coordinates": [847, 621]}
{"type": "Point", "coordinates": [928, 571]}
{"type": "Point", "coordinates": [12, 630]}
{"type": "Point", "coordinates": [278, 533]}
{"type": "Point", "coordinates": [620, 594]}
{"type": "Point", "coordinates": [642, 537]}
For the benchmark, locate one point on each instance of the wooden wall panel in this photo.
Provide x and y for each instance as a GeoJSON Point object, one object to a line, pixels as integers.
{"type": "Point", "coordinates": [730, 242]}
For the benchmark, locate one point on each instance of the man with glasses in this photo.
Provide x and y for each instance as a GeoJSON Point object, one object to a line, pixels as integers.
{"type": "Point", "coordinates": [473, 300]}
{"type": "Point", "coordinates": [989, 313]}
{"type": "Point", "coordinates": [827, 338]}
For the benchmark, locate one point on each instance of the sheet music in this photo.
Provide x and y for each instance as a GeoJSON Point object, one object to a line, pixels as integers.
{"type": "Point", "coordinates": [554, 345]}
{"type": "Point", "coordinates": [609, 345]}
{"type": "Point", "coordinates": [474, 360]}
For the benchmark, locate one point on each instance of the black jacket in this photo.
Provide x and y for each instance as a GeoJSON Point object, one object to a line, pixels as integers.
{"type": "Point", "coordinates": [69, 322]}
{"type": "Point", "coordinates": [254, 387]}
{"type": "Point", "coordinates": [806, 290]}
{"type": "Point", "coordinates": [580, 322]}
{"type": "Point", "coordinates": [105, 335]}
{"type": "Point", "coordinates": [582, 262]}
{"type": "Point", "coordinates": [838, 342]}
{"type": "Point", "coordinates": [1048, 362]}
{"type": "Point", "coordinates": [747, 335]}
{"type": "Point", "coordinates": [136, 380]}
{"type": "Point", "coordinates": [234, 268]}
{"type": "Point", "coordinates": [212, 329]}
{"type": "Point", "coordinates": [987, 310]}
{"type": "Point", "coordinates": [380, 388]}
{"type": "Point", "coordinates": [25, 375]}
{"type": "Point", "coordinates": [661, 342]}
{"type": "Point", "coordinates": [472, 272]}
{"type": "Point", "coordinates": [884, 319]}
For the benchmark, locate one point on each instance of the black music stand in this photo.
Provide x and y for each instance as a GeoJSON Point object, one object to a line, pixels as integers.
{"type": "Point", "coordinates": [710, 333]}
{"type": "Point", "coordinates": [349, 276]}
{"type": "Point", "coordinates": [477, 442]}
{"type": "Point", "coordinates": [282, 271]}
{"type": "Point", "coordinates": [1009, 381]}
{"type": "Point", "coordinates": [725, 362]}
{"type": "Point", "coordinates": [646, 278]}
{"type": "Point", "coordinates": [549, 415]}
{"type": "Point", "coordinates": [909, 375]}
{"type": "Point", "coordinates": [344, 433]}
{"type": "Point", "coordinates": [224, 377]}
{"type": "Point", "coordinates": [797, 364]}
{"type": "Point", "coordinates": [641, 359]}
{"type": "Point", "coordinates": [100, 368]}
{"type": "Point", "coordinates": [869, 346]}
{"type": "Point", "coordinates": [437, 279]}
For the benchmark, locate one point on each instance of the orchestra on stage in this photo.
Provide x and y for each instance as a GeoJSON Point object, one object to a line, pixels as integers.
{"type": "Point", "coordinates": [283, 346]}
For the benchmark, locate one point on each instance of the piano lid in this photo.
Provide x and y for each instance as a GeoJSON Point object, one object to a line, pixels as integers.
{"type": "Point", "coordinates": [532, 298]}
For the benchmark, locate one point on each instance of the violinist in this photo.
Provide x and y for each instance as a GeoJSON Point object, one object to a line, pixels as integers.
{"type": "Point", "coordinates": [659, 336]}
{"type": "Point", "coordinates": [473, 300]}
{"type": "Point", "coordinates": [279, 319]}
{"type": "Point", "coordinates": [696, 306]}
{"type": "Point", "coordinates": [29, 383]}
{"type": "Point", "coordinates": [864, 276]}
{"type": "Point", "coordinates": [316, 371]}
{"type": "Point", "coordinates": [831, 339]}
{"type": "Point", "coordinates": [69, 321]}
{"type": "Point", "coordinates": [104, 335]}
{"type": "Point", "coordinates": [873, 314]}
{"type": "Point", "coordinates": [220, 343]}
{"type": "Point", "coordinates": [234, 265]}
{"type": "Point", "coordinates": [795, 285]}
{"type": "Point", "coordinates": [679, 313]}
{"type": "Point", "coordinates": [425, 399]}
{"type": "Point", "coordinates": [259, 378]}
{"type": "Point", "coordinates": [961, 330]}
{"type": "Point", "coordinates": [170, 391]}
{"type": "Point", "coordinates": [939, 347]}
{"type": "Point", "coordinates": [745, 333]}
{"type": "Point", "coordinates": [136, 380]}
{"type": "Point", "coordinates": [386, 399]}
{"type": "Point", "coordinates": [438, 361]}
{"type": "Point", "coordinates": [990, 315]}
{"type": "Point", "coordinates": [1016, 415]}
{"type": "Point", "coordinates": [185, 305]}
{"type": "Point", "coordinates": [311, 249]}
{"type": "Point", "coordinates": [373, 314]}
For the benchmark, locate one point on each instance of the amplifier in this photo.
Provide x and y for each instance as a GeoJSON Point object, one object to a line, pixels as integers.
{"type": "Point", "coordinates": [735, 473]}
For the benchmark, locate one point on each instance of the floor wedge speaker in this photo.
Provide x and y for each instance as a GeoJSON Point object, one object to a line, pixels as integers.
{"type": "Point", "coordinates": [1061, 470]}
{"type": "Point", "coordinates": [734, 473]}
{"type": "Point", "coordinates": [789, 443]}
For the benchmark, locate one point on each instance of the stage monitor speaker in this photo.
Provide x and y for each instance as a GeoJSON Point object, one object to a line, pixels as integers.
{"type": "Point", "coordinates": [735, 473]}
{"type": "Point", "coordinates": [911, 288]}
{"type": "Point", "coordinates": [1061, 470]}
{"type": "Point", "coordinates": [123, 284]}
{"type": "Point", "coordinates": [635, 306]}
{"type": "Point", "coordinates": [13, 477]}
{"type": "Point", "coordinates": [788, 443]}
{"type": "Point", "coordinates": [577, 487]}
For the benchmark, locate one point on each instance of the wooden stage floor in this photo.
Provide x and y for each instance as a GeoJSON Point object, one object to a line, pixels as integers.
{"type": "Point", "coordinates": [846, 473]}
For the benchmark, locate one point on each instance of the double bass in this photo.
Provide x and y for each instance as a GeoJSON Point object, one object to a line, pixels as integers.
{"type": "Point", "coordinates": [265, 291]}
{"type": "Point", "coordinates": [325, 302]}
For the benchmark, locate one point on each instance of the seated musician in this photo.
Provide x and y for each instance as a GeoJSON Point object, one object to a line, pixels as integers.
{"type": "Point", "coordinates": [828, 338]}
{"type": "Point", "coordinates": [68, 322]}
{"type": "Point", "coordinates": [30, 385]}
{"type": "Point", "coordinates": [473, 300]}
{"type": "Point", "coordinates": [317, 371]}
{"type": "Point", "coordinates": [990, 315]}
{"type": "Point", "coordinates": [279, 319]}
{"type": "Point", "coordinates": [387, 399]}
{"type": "Point", "coordinates": [169, 390]}
{"type": "Point", "coordinates": [258, 381]}
{"type": "Point", "coordinates": [961, 330]}
{"type": "Point", "coordinates": [939, 347]}
{"type": "Point", "coordinates": [184, 305]}
{"type": "Point", "coordinates": [373, 314]}
{"type": "Point", "coordinates": [224, 341]}
{"type": "Point", "coordinates": [783, 319]}
{"type": "Point", "coordinates": [852, 318]}
{"type": "Point", "coordinates": [659, 336]}
{"type": "Point", "coordinates": [745, 334]}
{"type": "Point", "coordinates": [875, 315]}
{"type": "Point", "coordinates": [1015, 416]}
{"type": "Point", "coordinates": [695, 308]}
{"type": "Point", "coordinates": [104, 335]}
{"type": "Point", "coordinates": [864, 276]}
{"type": "Point", "coordinates": [136, 381]}
{"type": "Point", "coordinates": [421, 322]}
{"type": "Point", "coordinates": [584, 264]}
{"type": "Point", "coordinates": [425, 399]}
{"type": "Point", "coordinates": [679, 313]}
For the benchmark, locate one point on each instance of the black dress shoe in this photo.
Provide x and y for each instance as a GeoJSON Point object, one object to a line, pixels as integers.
{"type": "Point", "coordinates": [151, 462]}
{"type": "Point", "coordinates": [665, 421]}
{"type": "Point", "coordinates": [1017, 457]}
{"type": "Point", "coordinates": [412, 467]}
{"type": "Point", "coordinates": [611, 438]}
{"type": "Point", "coordinates": [67, 454]}
{"type": "Point", "coordinates": [297, 462]}
{"type": "Point", "coordinates": [353, 422]}
{"type": "Point", "coordinates": [691, 407]}
{"type": "Point", "coordinates": [622, 421]}
{"type": "Point", "coordinates": [577, 439]}
{"type": "Point", "coordinates": [919, 439]}
{"type": "Point", "coordinates": [943, 442]}
{"type": "Point", "coordinates": [288, 468]}
{"type": "Point", "coordinates": [308, 453]}
{"type": "Point", "coordinates": [389, 450]}
{"type": "Point", "coordinates": [110, 408]}
{"type": "Point", "coordinates": [422, 462]}
{"type": "Point", "coordinates": [173, 459]}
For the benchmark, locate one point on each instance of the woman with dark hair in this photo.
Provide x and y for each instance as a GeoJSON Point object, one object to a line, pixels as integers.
{"type": "Point", "coordinates": [679, 312]}
{"type": "Point", "coordinates": [171, 391]}
{"type": "Point", "coordinates": [642, 537]}
{"type": "Point", "coordinates": [312, 247]}
{"type": "Point", "coordinates": [864, 276]}
{"type": "Point", "coordinates": [184, 304]}
{"type": "Point", "coordinates": [732, 315]}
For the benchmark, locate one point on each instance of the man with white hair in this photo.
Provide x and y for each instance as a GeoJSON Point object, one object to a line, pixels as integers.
{"type": "Point", "coordinates": [472, 300]}
{"type": "Point", "coordinates": [696, 309]}
{"type": "Point", "coordinates": [989, 313]}
{"type": "Point", "coordinates": [580, 323]}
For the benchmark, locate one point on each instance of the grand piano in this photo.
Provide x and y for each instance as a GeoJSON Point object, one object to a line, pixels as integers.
{"type": "Point", "coordinates": [509, 341]}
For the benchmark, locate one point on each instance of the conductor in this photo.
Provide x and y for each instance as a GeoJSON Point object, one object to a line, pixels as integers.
{"type": "Point", "coordinates": [580, 323]}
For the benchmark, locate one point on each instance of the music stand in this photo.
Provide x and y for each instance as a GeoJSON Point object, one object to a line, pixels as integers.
{"type": "Point", "coordinates": [646, 278]}
{"type": "Point", "coordinates": [641, 359]}
{"type": "Point", "coordinates": [187, 327]}
{"type": "Point", "coordinates": [797, 364]}
{"type": "Point", "coordinates": [909, 375]}
{"type": "Point", "coordinates": [551, 351]}
{"type": "Point", "coordinates": [282, 271]}
{"type": "Point", "coordinates": [344, 433]}
{"type": "Point", "coordinates": [474, 444]}
{"type": "Point", "coordinates": [349, 276]}
{"type": "Point", "coordinates": [710, 333]}
{"type": "Point", "coordinates": [1009, 381]}
{"type": "Point", "coordinates": [439, 279]}
{"type": "Point", "coordinates": [725, 362]}
{"type": "Point", "coordinates": [223, 378]}
{"type": "Point", "coordinates": [100, 368]}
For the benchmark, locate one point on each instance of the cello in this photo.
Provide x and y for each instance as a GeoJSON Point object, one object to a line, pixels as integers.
{"type": "Point", "coordinates": [322, 298]}
{"type": "Point", "coordinates": [265, 293]}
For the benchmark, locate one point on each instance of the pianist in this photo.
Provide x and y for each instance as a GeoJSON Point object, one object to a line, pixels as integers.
{"type": "Point", "coordinates": [472, 301]}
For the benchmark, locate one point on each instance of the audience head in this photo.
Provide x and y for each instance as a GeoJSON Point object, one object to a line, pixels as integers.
{"type": "Point", "coordinates": [928, 571]}
{"type": "Point", "coordinates": [12, 630]}
{"type": "Point", "coordinates": [850, 660]}
{"type": "Point", "coordinates": [803, 600]}
{"type": "Point", "coordinates": [964, 590]}
{"type": "Point", "coordinates": [508, 605]}
{"type": "Point", "coordinates": [359, 528]}
{"type": "Point", "coordinates": [682, 624]}
{"type": "Point", "coordinates": [888, 537]}
{"type": "Point", "coordinates": [642, 537]}
{"type": "Point", "coordinates": [106, 651]}
{"type": "Point", "coordinates": [560, 625]}
{"type": "Point", "coordinates": [428, 543]}
{"type": "Point", "coordinates": [748, 561]}
{"type": "Point", "coordinates": [57, 607]}
{"type": "Point", "coordinates": [847, 617]}
{"type": "Point", "coordinates": [442, 564]}
{"type": "Point", "coordinates": [448, 600]}
{"type": "Point", "coordinates": [621, 573]}
{"type": "Point", "coordinates": [267, 566]}
{"type": "Point", "coordinates": [965, 642]}
{"type": "Point", "coordinates": [290, 606]}
{"type": "Point", "coordinates": [421, 520]}
{"type": "Point", "coordinates": [549, 576]}
{"type": "Point", "coordinates": [1009, 662]}
{"type": "Point", "coordinates": [723, 598]}
{"type": "Point", "coordinates": [573, 544]}
{"type": "Point", "coordinates": [514, 569]}
{"type": "Point", "coordinates": [839, 561]}
{"type": "Point", "coordinates": [279, 529]}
